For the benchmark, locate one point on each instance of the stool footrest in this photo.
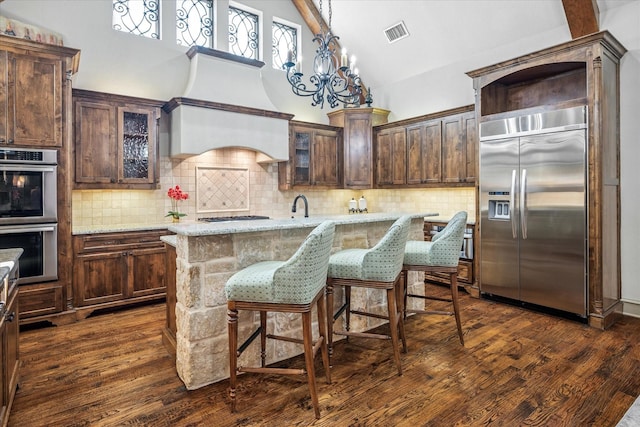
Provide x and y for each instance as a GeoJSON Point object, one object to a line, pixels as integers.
{"type": "Point", "coordinates": [430, 297]}
{"type": "Point", "coordinates": [362, 335]}
{"type": "Point", "coordinates": [367, 314]}
{"type": "Point", "coordinates": [447, 313]}
{"type": "Point", "coordinates": [277, 371]}
{"type": "Point", "coordinates": [283, 338]}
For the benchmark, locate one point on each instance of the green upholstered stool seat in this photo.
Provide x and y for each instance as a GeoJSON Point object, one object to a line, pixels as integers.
{"type": "Point", "coordinates": [440, 255]}
{"type": "Point", "coordinates": [291, 286]}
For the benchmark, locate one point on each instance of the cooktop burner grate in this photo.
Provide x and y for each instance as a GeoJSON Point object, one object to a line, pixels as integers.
{"type": "Point", "coordinates": [232, 218]}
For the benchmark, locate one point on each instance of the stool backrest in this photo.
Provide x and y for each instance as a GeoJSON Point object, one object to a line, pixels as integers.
{"type": "Point", "coordinates": [303, 275]}
{"type": "Point", "coordinates": [445, 250]}
{"type": "Point", "coordinates": [384, 261]}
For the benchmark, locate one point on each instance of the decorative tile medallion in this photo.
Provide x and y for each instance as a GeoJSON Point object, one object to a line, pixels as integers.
{"type": "Point", "coordinates": [220, 189]}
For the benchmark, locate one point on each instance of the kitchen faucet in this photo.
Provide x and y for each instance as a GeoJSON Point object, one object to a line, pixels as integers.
{"type": "Point", "coordinates": [306, 205]}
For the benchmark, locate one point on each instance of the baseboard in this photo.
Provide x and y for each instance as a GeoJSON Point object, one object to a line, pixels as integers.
{"type": "Point", "coordinates": [631, 308]}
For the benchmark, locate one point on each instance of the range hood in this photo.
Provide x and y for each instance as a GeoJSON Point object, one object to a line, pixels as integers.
{"type": "Point", "coordinates": [225, 105]}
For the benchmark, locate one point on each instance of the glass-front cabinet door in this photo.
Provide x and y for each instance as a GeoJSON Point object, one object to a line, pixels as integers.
{"type": "Point", "coordinates": [136, 143]}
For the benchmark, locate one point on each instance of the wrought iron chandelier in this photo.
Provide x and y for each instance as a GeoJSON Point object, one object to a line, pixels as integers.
{"type": "Point", "coordinates": [335, 81]}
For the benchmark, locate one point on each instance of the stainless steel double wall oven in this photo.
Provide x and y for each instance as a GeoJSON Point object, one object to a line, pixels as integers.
{"type": "Point", "coordinates": [28, 210]}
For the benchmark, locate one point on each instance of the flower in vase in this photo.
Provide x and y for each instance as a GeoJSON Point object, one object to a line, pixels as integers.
{"type": "Point", "coordinates": [176, 195]}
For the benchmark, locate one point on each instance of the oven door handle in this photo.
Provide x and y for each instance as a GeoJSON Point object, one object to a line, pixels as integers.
{"type": "Point", "coordinates": [30, 229]}
{"type": "Point", "coordinates": [28, 168]}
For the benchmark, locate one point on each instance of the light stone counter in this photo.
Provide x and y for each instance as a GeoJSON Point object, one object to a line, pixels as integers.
{"type": "Point", "coordinates": [208, 254]}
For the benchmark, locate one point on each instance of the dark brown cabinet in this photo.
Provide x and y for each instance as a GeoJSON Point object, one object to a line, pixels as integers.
{"type": "Point", "coordinates": [434, 149]}
{"type": "Point", "coordinates": [116, 141]}
{"type": "Point", "coordinates": [112, 269]}
{"type": "Point", "coordinates": [9, 335]}
{"type": "Point", "coordinates": [391, 157]}
{"type": "Point", "coordinates": [358, 158]}
{"type": "Point", "coordinates": [424, 148]}
{"type": "Point", "coordinates": [32, 83]}
{"type": "Point", "coordinates": [315, 158]}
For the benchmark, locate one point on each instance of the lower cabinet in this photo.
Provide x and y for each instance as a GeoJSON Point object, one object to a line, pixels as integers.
{"type": "Point", "coordinates": [114, 269]}
{"type": "Point", "coordinates": [9, 333]}
{"type": "Point", "coordinates": [170, 328]}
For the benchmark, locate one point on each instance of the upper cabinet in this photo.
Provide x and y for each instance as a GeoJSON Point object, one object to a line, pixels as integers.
{"type": "Point", "coordinates": [116, 141]}
{"type": "Point", "coordinates": [33, 82]}
{"type": "Point", "coordinates": [435, 149]}
{"type": "Point", "coordinates": [358, 126]}
{"type": "Point", "coordinates": [315, 157]}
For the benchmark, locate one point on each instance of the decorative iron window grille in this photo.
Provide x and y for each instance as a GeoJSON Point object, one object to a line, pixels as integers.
{"type": "Point", "coordinates": [285, 40]}
{"type": "Point", "coordinates": [194, 22]}
{"type": "Point", "coordinates": [139, 17]}
{"type": "Point", "coordinates": [244, 33]}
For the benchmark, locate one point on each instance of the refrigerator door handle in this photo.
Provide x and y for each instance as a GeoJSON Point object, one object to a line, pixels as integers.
{"type": "Point", "coordinates": [523, 203]}
{"type": "Point", "coordinates": [512, 198]}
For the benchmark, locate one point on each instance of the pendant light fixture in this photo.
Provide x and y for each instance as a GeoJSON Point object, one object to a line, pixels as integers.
{"type": "Point", "coordinates": [334, 79]}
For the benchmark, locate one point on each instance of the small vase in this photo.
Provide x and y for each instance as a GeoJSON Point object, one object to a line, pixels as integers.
{"type": "Point", "coordinates": [175, 219]}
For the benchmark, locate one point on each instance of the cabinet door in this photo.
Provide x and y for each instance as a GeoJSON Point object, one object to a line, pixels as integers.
{"type": "Point", "coordinates": [384, 174]}
{"type": "Point", "coordinates": [136, 145]}
{"type": "Point", "coordinates": [357, 151]}
{"type": "Point", "coordinates": [146, 272]}
{"type": "Point", "coordinates": [11, 349]}
{"type": "Point", "coordinates": [32, 110]}
{"type": "Point", "coordinates": [101, 277]}
{"type": "Point", "coordinates": [325, 165]}
{"type": "Point", "coordinates": [453, 150]}
{"type": "Point", "coordinates": [398, 156]}
{"type": "Point", "coordinates": [95, 136]}
{"type": "Point", "coordinates": [301, 153]}
{"type": "Point", "coordinates": [424, 163]}
{"type": "Point", "coordinates": [471, 146]}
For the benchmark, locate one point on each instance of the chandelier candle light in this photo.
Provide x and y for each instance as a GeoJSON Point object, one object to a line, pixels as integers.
{"type": "Point", "coordinates": [176, 194]}
{"type": "Point", "coordinates": [339, 79]}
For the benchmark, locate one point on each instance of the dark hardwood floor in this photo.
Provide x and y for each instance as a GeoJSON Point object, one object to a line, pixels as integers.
{"type": "Point", "coordinates": [517, 368]}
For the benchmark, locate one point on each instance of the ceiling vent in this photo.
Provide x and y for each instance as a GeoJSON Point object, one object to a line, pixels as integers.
{"type": "Point", "coordinates": [396, 32]}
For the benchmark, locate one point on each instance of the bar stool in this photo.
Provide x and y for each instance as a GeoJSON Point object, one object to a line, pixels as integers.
{"type": "Point", "coordinates": [375, 268]}
{"type": "Point", "coordinates": [292, 286]}
{"type": "Point", "coordinates": [440, 255]}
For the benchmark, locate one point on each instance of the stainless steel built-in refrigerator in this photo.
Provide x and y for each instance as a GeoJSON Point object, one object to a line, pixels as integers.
{"type": "Point", "coordinates": [533, 209]}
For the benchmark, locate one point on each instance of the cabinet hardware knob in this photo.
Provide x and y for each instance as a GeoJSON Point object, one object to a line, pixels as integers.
{"type": "Point", "coordinates": [9, 317]}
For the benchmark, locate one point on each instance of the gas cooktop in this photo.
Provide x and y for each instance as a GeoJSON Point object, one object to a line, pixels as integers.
{"type": "Point", "coordinates": [232, 218]}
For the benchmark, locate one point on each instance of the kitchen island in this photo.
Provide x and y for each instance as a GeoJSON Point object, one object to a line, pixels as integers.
{"type": "Point", "coordinates": [208, 254]}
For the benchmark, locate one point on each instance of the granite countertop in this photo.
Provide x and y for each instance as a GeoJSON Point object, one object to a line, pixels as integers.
{"type": "Point", "coordinates": [170, 239]}
{"type": "Point", "coordinates": [204, 229]}
{"type": "Point", "coordinates": [445, 218]}
{"type": "Point", "coordinates": [108, 228]}
{"type": "Point", "coordinates": [8, 258]}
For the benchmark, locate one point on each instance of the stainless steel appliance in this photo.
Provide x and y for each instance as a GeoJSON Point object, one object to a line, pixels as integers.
{"type": "Point", "coordinates": [28, 210]}
{"type": "Point", "coordinates": [533, 231]}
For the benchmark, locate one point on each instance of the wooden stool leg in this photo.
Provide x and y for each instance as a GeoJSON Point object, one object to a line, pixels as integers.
{"type": "Point", "coordinates": [232, 325]}
{"type": "Point", "coordinates": [398, 288]}
{"type": "Point", "coordinates": [347, 312]}
{"type": "Point", "coordinates": [263, 338]}
{"type": "Point", "coordinates": [329, 290]}
{"type": "Point", "coordinates": [405, 291]}
{"type": "Point", "coordinates": [308, 357]}
{"type": "Point", "coordinates": [322, 327]}
{"type": "Point", "coordinates": [456, 309]}
{"type": "Point", "coordinates": [393, 325]}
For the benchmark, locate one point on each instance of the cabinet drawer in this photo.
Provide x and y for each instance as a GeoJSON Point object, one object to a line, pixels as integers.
{"type": "Point", "coordinates": [40, 300]}
{"type": "Point", "coordinates": [116, 242]}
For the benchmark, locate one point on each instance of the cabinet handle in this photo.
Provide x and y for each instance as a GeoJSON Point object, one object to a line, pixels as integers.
{"type": "Point", "coordinates": [9, 317]}
{"type": "Point", "coordinates": [11, 141]}
{"type": "Point", "coordinates": [2, 140]}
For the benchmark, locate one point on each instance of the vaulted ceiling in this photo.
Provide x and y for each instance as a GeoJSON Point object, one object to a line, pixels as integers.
{"type": "Point", "coordinates": [442, 32]}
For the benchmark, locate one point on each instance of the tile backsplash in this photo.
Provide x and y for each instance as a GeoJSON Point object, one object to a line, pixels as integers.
{"type": "Point", "coordinates": [248, 188]}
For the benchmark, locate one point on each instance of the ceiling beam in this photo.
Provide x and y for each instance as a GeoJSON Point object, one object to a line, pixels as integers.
{"type": "Point", "coordinates": [582, 17]}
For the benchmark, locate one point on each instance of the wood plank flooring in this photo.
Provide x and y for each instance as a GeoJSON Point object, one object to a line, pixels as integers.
{"type": "Point", "coordinates": [517, 368]}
